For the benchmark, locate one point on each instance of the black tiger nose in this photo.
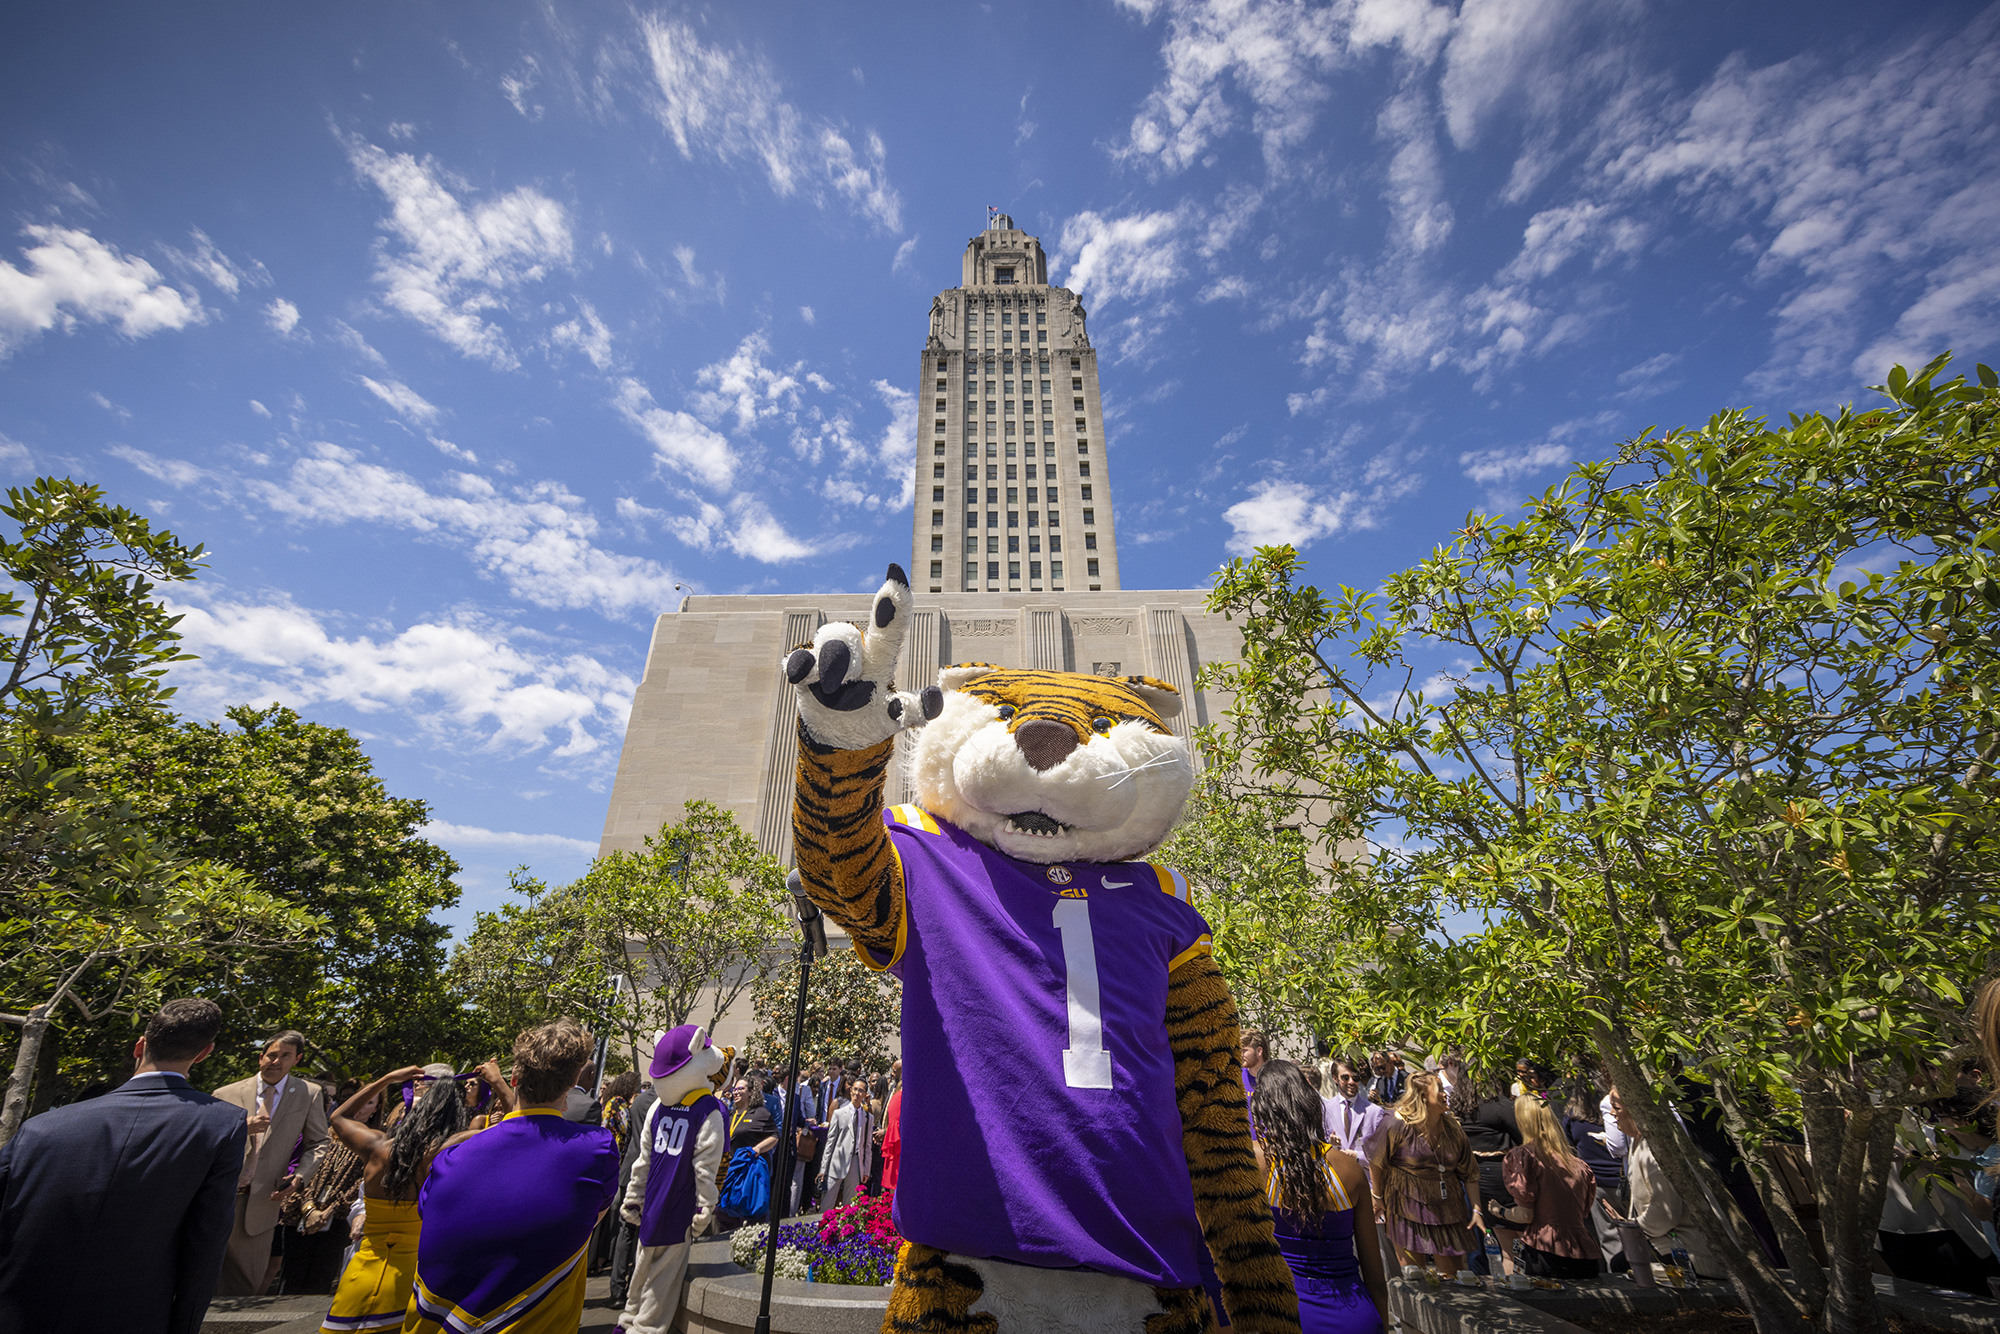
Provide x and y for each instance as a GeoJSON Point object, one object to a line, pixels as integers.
{"type": "Point", "coordinates": [1045, 743]}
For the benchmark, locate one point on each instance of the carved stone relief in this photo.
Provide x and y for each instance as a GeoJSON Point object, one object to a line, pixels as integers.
{"type": "Point", "coordinates": [982, 628]}
{"type": "Point", "coordinates": [1104, 669]}
{"type": "Point", "coordinates": [1101, 625]}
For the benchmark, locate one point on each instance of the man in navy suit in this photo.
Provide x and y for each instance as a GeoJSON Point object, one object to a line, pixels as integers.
{"type": "Point", "coordinates": [114, 1213]}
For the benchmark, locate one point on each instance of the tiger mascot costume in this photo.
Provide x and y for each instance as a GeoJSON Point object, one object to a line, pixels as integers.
{"type": "Point", "coordinates": [1076, 1150]}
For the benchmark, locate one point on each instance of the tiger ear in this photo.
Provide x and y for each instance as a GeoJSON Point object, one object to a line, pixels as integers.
{"type": "Point", "coordinates": [960, 675]}
{"type": "Point", "coordinates": [1163, 698]}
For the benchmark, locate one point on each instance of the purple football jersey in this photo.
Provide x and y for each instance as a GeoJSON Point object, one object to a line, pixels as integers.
{"type": "Point", "coordinates": [670, 1198]}
{"type": "Point", "coordinates": [1039, 1121]}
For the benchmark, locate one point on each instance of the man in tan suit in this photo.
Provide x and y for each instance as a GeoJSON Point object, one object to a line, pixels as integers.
{"type": "Point", "coordinates": [286, 1114]}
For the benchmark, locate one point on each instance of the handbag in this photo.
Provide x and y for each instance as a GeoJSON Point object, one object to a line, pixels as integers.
{"type": "Point", "coordinates": [807, 1145]}
{"type": "Point", "coordinates": [746, 1185]}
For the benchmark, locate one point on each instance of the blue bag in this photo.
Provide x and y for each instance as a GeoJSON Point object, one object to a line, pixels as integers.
{"type": "Point", "coordinates": [746, 1185]}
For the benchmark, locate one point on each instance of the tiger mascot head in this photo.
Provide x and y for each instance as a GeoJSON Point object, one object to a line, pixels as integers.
{"type": "Point", "coordinates": [1054, 766]}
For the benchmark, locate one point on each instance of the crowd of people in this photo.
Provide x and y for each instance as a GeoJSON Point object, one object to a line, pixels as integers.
{"type": "Point", "coordinates": [1514, 1172]}
{"type": "Point", "coordinates": [428, 1196]}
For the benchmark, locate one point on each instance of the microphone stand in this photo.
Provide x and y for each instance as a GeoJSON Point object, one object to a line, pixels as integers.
{"type": "Point", "coordinates": [812, 927]}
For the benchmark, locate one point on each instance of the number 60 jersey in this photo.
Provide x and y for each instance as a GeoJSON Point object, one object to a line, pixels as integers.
{"type": "Point", "coordinates": [1039, 1122]}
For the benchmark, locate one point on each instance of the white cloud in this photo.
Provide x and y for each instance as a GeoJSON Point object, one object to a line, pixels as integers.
{"type": "Point", "coordinates": [461, 685]}
{"type": "Point", "coordinates": [698, 282]}
{"type": "Point", "coordinates": [515, 87]}
{"type": "Point", "coordinates": [1122, 258]}
{"type": "Point", "coordinates": [13, 454]}
{"type": "Point", "coordinates": [449, 266]}
{"type": "Point", "coordinates": [679, 441]}
{"type": "Point", "coordinates": [449, 835]}
{"type": "Point", "coordinates": [742, 385]}
{"type": "Point", "coordinates": [806, 314]}
{"type": "Point", "coordinates": [259, 408]}
{"type": "Point", "coordinates": [174, 472]}
{"type": "Point", "coordinates": [208, 263]}
{"type": "Point", "coordinates": [349, 337]}
{"type": "Point", "coordinates": [1293, 512]}
{"type": "Point", "coordinates": [1649, 377]}
{"type": "Point", "coordinates": [1502, 468]}
{"type": "Point", "coordinates": [539, 539]}
{"type": "Point", "coordinates": [1275, 54]}
{"type": "Point", "coordinates": [406, 401]}
{"type": "Point", "coordinates": [903, 254]}
{"type": "Point", "coordinates": [282, 316]}
{"type": "Point", "coordinates": [72, 278]}
{"type": "Point", "coordinates": [745, 526]}
{"type": "Point", "coordinates": [729, 106]}
{"type": "Point", "coordinates": [586, 334]}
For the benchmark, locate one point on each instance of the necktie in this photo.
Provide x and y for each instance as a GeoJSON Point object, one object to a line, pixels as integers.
{"type": "Point", "coordinates": [1349, 1136]}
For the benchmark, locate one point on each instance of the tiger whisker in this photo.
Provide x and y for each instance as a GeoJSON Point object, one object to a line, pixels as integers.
{"type": "Point", "coordinates": [1166, 757]}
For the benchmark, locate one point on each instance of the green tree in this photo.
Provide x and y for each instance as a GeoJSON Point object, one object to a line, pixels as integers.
{"type": "Point", "coordinates": [98, 916]}
{"type": "Point", "coordinates": [684, 926]}
{"type": "Point", "coordinates": [851, 1013]}
{"type": "Point", "coordinates": [1704, 755]}
{"type": "Point", "coordinates": [1253, 879]}
{"type": "Point", "coordinates": [297, 807]}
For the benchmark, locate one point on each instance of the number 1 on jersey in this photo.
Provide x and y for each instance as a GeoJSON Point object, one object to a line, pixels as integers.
{"type": "Point", "coordinates": [1086, 1064]}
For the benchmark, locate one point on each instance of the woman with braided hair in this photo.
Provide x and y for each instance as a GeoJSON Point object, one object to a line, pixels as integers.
{"type": "Point", "coordinates": [374, 1291]}
{"type": "Point", "coordinates": [1330, 1245]}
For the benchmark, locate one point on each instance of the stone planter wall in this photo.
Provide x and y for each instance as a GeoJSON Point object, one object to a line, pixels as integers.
{"type": "Point", "coordinates": [722, 1298]}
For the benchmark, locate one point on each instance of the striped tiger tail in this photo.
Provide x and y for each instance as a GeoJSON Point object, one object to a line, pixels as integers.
{"type": "Point", "coordinates": [1229, 1197]}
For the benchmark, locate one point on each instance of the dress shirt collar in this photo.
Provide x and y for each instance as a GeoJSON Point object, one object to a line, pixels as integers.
{"type": "Point", "coordinates": [277, 1091]}
{"type": "Point", "coordinates": [163, 1074]}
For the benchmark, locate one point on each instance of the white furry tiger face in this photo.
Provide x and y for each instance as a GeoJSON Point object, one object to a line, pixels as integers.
{"type": "Point", "coordinates": [1054, 766]}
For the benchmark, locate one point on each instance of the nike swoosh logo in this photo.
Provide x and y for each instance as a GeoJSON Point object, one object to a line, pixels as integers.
{"type": "Point", "coordinates": [1118, 884]}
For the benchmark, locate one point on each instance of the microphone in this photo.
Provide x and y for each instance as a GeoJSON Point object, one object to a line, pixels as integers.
{"type": "Point", "coordinates": [807, 914]}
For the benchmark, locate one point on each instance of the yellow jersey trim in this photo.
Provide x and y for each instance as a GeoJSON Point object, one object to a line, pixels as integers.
{"type": "Point", "coordinates": [531, 1111]}
{"type": "Point", "coordinates": [915, 817]}
{"type": "Point", "coordinates": [1201, 946]}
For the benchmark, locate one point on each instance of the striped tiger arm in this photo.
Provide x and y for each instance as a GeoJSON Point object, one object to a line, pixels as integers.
{"type": "Point", "coordinates": [849, 867]}
{"type": "Point", "coordinates": [1229, 1196]}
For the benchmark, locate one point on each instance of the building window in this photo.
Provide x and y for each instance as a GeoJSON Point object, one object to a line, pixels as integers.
{"type": "Point", "coordinates": [1033, 495]}
{"type": "Point", "coordinates": [992, 408]}
{"type": "Point", "coordinates": [1034, 542]}
{"type": "Point", "coordinates": [972, 495]}
{"type": "Point", "coordinates": [941, 385]}
{"type": "Point", "coordinates": [1055, 521]}
{"type": "Point", "coordinates": [1083, 470]}
{"type": "Point", "coordinates": [1041, 317]}
{"type": "Point", "coordinates": [1013, 495]}
{"type": "Point", "coordinates": [1013, 546]}
{"type": "Point", "coordinates": [1075, 363]}
{"type": "Point", "coordinates": [1013, 518]}
{"type": "Point", "coordinates": [993, 495]}
{"type": "Point", "coordinates": [1034, 517]}
{"type": "Point", "coordinates": [1034, 569]}
{"type": "Point", "coordinates": [992, 546]}
{"type": "Point", "coordinates": [1086, 496]}
{"type": "Point", "coordinates": [1010, 443]}
{"type": "Point", "coordinates": [937, 495]}
{"type": "Point", "coordinates": [971, 519]}
{"type": "Point", "coordinates": [937, 542]}
{"type": "Point", "coordinates": [937, 518]}
{"type": "Point", "coordinates": [1090, 541]}
{"type": "Point", "coordinates": [1089, 518]}
{"type": "Point", "coordinates": [1003, 277]}
{"type": "Point", "coordinates": [1049, 428]}
{"type": "Point", "coordinates": [938, 449]}
{"type": "Point", "coordinates": [937, 569]}
{"type": "Point", "coordinates": [1055, 569]}
{"type": "Point", "coordinates": [1090, 567]}
{"type": "Point", "coordinates": [993, 518]}
{"type": "Point", "coordinates": [1082, 447]}
{"type": "Point", "coordinates": [1075, 381]}
{"type": "Point", "coordinates": [1013, 569]}
{"type": "Point", "coordinates": [992, 569]}
{"type": "Point", "coordinates": [972, 544]}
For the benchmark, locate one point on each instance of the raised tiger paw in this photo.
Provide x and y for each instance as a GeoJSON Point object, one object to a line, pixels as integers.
{"type": "Point", "coordinates": [845, 681]}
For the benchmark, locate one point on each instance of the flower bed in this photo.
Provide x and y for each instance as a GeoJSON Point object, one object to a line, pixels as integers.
{"type": "Point", "coordinates": [855, 1244]}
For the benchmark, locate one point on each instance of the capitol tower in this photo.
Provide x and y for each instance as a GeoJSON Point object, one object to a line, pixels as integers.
{"type": "Point", "coordinates": [1013, 463]}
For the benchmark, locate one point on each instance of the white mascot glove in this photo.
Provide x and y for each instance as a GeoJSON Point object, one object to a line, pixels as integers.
{"type": "Point", "coordinates": [845, 681]}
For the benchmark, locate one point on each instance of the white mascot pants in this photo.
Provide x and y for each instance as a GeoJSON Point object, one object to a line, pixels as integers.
{"type": "Point", "coordinates": [659, 1273]}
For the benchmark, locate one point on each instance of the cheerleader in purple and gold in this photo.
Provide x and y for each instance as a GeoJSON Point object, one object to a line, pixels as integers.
{"type": "Point", "coordinates": [1330, 1245]}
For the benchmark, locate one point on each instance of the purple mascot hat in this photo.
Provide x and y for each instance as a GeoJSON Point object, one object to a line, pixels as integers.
{"type": "Point", "coordinates": [674, 1048]}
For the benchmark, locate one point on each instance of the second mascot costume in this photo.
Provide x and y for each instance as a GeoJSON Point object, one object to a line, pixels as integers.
{"type": "Point", "coordinates": [1076, 1148]}
{"type": "Point", "coordinates": [672, 1191]}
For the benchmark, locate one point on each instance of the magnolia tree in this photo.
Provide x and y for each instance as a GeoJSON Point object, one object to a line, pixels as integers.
{"type": "Point", "coordinates": [851, 1013]}
{"type": "Point", "coordinates": [100, 917]}
{"type": "Point", "coordinates": [1693, 763]}
{"type": "Point", "coordinates": [672, 934]}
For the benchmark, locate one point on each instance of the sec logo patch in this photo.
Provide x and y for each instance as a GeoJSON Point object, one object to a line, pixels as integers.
{"type": "Point", "coordinates": [1059, 875]}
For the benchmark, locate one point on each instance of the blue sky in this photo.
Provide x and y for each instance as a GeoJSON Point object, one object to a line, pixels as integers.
{"type": "Point", "coordinates": [465, 335]}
